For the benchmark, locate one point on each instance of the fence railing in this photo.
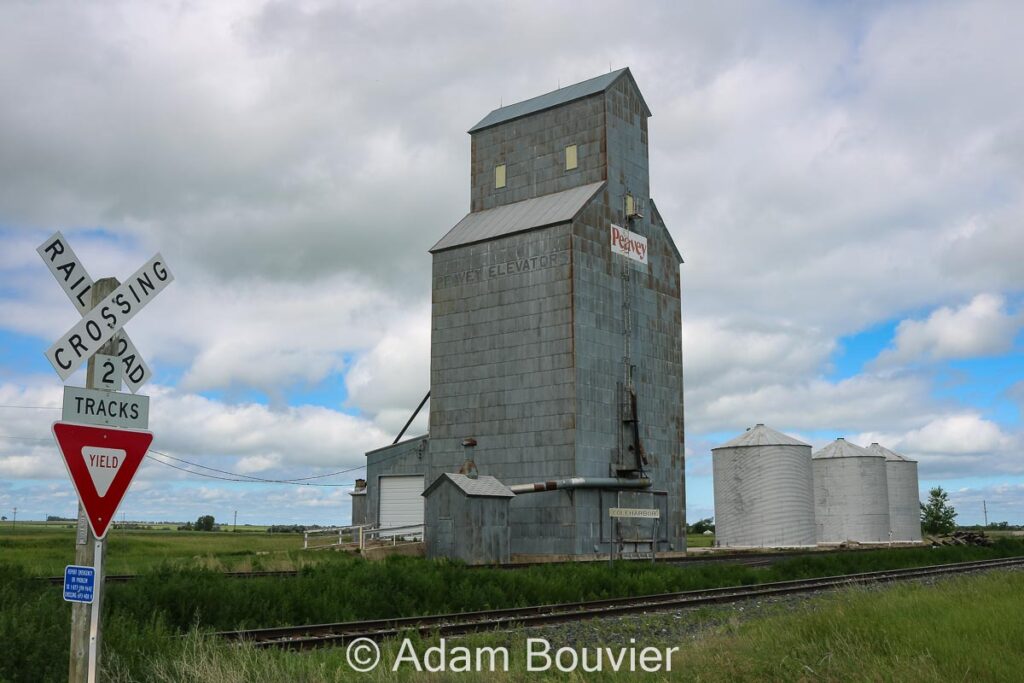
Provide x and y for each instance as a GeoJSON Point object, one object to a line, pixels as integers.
{"type": "Point", "coordinates": [358, 536]}
{"type": "Point", "coordinates": [336, 536]}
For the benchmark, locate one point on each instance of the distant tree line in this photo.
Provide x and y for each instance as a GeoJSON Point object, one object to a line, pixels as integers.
{"type": "Point", "coordinates": [208, 523]}
{"type": "Point", "coordinates": [701, 525]}
{"type": "Point", "coordinates": [204, 523]}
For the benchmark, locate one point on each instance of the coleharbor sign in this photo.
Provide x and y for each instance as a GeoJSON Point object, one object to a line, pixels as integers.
{"type": "Point", "coordinates": [635, 513]}
{"type": "Point", "coordinates": [629, 244]}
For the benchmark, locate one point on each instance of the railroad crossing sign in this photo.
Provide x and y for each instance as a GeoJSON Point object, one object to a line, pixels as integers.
{"type": "Point", "coordinates": [71, 275]}
{"type": "Point", "coordinates": [101, 462]}
{"type": "Point", "coordinates": [102, 455]}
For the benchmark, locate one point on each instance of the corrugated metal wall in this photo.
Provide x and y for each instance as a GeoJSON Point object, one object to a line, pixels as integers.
{"type": "Point", "coordinates": [904, 501]}
{"type": "Point", "coordinates": [764, 497]}
{"type": "Point", "coordinates": [764, 491]}
{"type": "Point", "coordinates": [851, 496]}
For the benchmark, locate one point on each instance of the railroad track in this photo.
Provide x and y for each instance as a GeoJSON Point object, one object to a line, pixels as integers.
{"type": "Point", "coordinates": [320, 635]}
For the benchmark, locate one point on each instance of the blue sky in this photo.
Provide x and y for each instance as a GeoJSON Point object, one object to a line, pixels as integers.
{"type": "Point", "coordinates": [848, 200]}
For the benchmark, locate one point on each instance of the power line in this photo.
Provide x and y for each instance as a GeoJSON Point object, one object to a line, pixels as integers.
{"type": "Point", "coordinates": [254, 478]}
{"type": "Point", "coordinates": [246, 481]}
{"type": "Point", "coordinates": [232, 476]}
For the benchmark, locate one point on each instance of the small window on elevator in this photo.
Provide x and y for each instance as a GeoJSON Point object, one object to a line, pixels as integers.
{"type": "Point", "coordinates": [570, 157]}
{"type": "Point", "coordinates": [499, 176]}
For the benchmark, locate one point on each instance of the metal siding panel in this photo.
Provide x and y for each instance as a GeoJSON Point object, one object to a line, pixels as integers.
{"type": "Point", "coordinates": [764, 496]}
{"type": "Point", "coordinates": [851, 499]}
{"type": "Point", "coordinates": [904, 505]}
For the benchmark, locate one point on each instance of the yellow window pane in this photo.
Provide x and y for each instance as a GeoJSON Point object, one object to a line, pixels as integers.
{"type": "Point", "coordinates": [570, 157]}
{"type": "Point", "coordinates": [499, 176]}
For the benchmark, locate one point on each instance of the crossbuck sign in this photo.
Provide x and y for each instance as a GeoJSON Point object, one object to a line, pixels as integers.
{"type": "Point", "coordinates": [101, 323]}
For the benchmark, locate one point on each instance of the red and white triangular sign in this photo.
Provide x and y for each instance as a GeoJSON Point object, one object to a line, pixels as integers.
{"type": "Point", "coordinates": [102, 462]}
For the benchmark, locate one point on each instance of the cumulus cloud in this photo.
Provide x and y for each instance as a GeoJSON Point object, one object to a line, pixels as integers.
{"type": "Point", "coordinates": [1004, 502]}
{"type": "Point", "coordinates": [962, 444]}
{"type": "Point", "coordinates": [246, 438]}
{"type": "Point", "coordinates": [822, 167]}
{"type": "Point", "coordinates": [979, 328]}
{"type": "Point", "coordinates": [736, 353]}
{"type": "Point", "coordinates": [818, 404]}
{"type": "Point", "coordinates": [394, 375]}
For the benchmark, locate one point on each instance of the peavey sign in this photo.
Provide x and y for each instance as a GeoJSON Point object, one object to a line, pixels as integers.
{"type": "Point", "coordinates": [629, 244]}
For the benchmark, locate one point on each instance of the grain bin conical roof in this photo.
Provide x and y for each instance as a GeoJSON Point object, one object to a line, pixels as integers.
{"type": "Point", "coordinates": [841, 448]}
{"type": "Point", "coordinates": [760, 435]}
{"type": "Point", "coordinates": [764, 491]}
{"type": "Point", "coordinates": [890, 456]}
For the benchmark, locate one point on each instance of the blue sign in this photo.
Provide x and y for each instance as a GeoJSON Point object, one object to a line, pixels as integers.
{"type": "Point", "coordinates": [79, 583]}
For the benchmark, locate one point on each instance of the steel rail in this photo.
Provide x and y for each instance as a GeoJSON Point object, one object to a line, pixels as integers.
{"type": "Point", "coordinates": [318, 635]}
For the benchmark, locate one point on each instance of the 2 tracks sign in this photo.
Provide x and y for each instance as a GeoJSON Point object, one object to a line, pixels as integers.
{"type": "Point", "coordinates": [102, 433]}
{"type": "Point", "coordinates": [101, 412]}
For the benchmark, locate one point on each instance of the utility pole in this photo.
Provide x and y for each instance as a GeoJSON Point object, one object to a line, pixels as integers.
{"type": "Point", "coordinates": [234, 525]}
{"type": "Point", "coordinates": [14, 519]}
{"type": "Point", "coordinates": [984, 506]}
{"type": "Point", "coordinates": [86, 638]}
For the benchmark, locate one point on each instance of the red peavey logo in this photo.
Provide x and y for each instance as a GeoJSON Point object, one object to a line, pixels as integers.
{"type": "Point", "coordinates": [629, 244]}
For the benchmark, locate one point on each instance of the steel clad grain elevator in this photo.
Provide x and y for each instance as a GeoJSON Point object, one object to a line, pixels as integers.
{"type": "Point", "coordinates": [556, 350]}
{"type": "Point", "coordinates": [851, 494]}
{"type": "Point", "coordinates": [904, 503]}
{"type": "Point", "coordinates": [764, 491]}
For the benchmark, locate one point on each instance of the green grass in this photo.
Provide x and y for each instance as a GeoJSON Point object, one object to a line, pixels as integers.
{"type": "Point", "coordinates": [699, 541]}
{"type": "Point", "coordinates": [141, 615]}
{"type": "Point", "coordinates": [44, 550]}
{"type": "Point", "coordinates": [967, 629]}
{"type": "Point", "coordinates": [962, 629]}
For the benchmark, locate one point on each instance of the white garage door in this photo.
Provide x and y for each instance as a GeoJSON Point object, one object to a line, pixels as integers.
{"type": "Point", "coordinates": [401, 503]}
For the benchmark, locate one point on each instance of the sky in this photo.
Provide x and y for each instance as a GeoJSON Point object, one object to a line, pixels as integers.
{"type": "Point", "coordinates": [845, 182]}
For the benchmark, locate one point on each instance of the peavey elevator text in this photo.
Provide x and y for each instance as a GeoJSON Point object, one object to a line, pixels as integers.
{"type": "Point", "coordinates": [512, 267]}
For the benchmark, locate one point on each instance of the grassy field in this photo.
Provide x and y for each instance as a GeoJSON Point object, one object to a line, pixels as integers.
{"type": "Point", "coordinates": [967, 629]}
{"type": "Point", "coordinates": [962, 629]}
{"type": "Point", "coordinates": [44, 550]}
{"type": "Point", "coordinates": [699, 541]}
{"type": "Point", "coordinates": [142, 617]}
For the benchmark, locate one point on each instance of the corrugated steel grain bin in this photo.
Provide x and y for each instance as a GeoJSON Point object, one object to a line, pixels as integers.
{"type": "Point", "coordinates": [851, 494]}
{"type": "Point", "coordinates": [764, 491]}
{"type": "Point", "coordinates": [467, 519]}
{"type": "Point", "coordinates": [904, 504]}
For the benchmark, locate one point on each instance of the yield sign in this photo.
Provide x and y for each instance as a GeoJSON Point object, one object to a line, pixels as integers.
{"type": "Point", "coordinates": [102, 462]}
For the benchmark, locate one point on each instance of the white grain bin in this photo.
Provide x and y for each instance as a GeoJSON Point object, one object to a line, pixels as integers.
{"type": "Point", "coordinates": [764, 491]}
{"type": "Point", "coordinates": [851, 494]}
{"type": "Point", "coordinates": [904, 504]}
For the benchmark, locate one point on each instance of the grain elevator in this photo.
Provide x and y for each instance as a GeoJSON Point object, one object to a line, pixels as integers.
{"type": "Point", "coordinates": [556, 350]}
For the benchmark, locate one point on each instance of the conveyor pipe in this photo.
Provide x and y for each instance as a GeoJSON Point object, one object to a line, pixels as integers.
{"type": "Point", "coordinates": [581, 483]}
